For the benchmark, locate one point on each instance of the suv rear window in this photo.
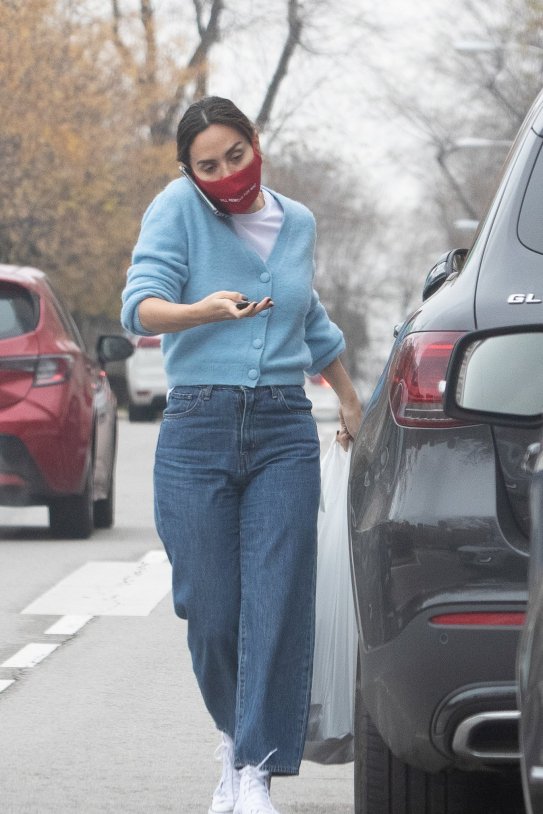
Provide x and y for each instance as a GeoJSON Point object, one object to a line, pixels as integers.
{"type": "Point", "coordinates": [530, 222]}
{"type": "Point", "coordinates": [18, 311]}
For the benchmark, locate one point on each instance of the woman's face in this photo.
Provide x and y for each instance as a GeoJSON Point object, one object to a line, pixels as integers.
{"type": "Point", "coordinates": [219, 151]}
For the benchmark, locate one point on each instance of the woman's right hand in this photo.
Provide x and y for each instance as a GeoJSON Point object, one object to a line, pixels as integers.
{"type": "Point", "coordinates": [221, 305]}
{"type": "Point", "coordinates": [161, 316]}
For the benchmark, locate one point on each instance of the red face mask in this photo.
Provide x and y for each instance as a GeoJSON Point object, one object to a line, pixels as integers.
{"type": "Point", "coordinates": [236, 193]}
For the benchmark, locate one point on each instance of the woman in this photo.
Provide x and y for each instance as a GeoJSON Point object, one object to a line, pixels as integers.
{"type": "Point", "coordinates": [237, 476]}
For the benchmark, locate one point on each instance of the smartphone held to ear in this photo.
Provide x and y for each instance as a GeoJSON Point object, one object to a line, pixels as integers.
{"type": "Point", "coordinates": [244, 303]}
{"type": "Point", "coordinates": [202, 194]}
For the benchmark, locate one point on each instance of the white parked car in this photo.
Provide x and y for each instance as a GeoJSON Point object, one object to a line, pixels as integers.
{"type": "Point", "coordinates": [147, 387]}
{"type": "Point", "coordinates": [145, 379]}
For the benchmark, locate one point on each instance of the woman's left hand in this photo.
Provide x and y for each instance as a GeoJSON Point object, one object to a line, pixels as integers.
{"type": "Point", "coordinates": [350, 411]}
{"type": "Point", "coordinates": [350, 418]}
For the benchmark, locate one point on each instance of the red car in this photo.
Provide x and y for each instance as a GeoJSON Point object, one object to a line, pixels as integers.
{"type": "Point", "coordinates": [58, 414]}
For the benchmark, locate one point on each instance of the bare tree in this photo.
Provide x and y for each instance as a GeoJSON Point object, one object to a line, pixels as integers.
{"type": "Point", "coordinates": [192, 78]}
{"type": "Point", "coordinates": [292, 41]}
{"type": "Point", "coordinates": [192, 75]}
{"type": "Point", "coordinates": [488, 63]}
{"type": "Point", "coordinates": [347, 251]}
{"type": "Point", "coordinates": [196, 70]}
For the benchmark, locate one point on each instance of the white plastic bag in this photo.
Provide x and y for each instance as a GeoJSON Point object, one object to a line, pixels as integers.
{"type": "Point", "coordinates": [331, 716]}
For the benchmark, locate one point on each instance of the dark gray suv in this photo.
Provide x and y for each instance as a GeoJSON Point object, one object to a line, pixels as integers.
{"type": "Point", "coordinates": [439, 526]}
{"type": "Point", "coordinates": [477, 390]}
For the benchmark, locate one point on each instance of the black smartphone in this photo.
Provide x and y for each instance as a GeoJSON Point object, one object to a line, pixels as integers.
{"type": "Point", "coordinates": [202, 195]}
{"type": "Point", "coordinates": [241, 305]}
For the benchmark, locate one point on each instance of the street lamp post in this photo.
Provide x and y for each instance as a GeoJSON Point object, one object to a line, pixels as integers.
{"type": "Point", "coordinates": [476, 141]}
{"type": "Point", "coordinates": [487, 47]}
{"type": "Point", "coordinates": [466, 224]}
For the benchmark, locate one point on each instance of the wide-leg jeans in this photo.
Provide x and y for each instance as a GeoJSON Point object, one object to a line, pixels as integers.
{"type": "Point", "coordinates": [237, 485]}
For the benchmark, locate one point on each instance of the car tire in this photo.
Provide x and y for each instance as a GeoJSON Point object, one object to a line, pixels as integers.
{"type": "Point", "coordinates": [383, 784]}
{"type": "Point", "coordinates": [137, 412]}
{"type": "Point", "coordinates": [104, 510]}
{"type": "Point", "coordinates": [73, 516]}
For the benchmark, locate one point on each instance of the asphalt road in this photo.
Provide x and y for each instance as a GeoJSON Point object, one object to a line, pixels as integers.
{"type": "Point", "coordinates": [99, 709]}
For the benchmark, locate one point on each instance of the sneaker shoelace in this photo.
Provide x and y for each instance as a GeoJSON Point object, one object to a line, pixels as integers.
{"type": "Point", "coordinates": [228, 787]}
{"type": "Point", "coordinates": [255, 789]}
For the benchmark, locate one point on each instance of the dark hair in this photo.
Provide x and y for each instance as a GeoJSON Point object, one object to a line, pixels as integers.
{"type": "Point", "coordinates": [198, 117]}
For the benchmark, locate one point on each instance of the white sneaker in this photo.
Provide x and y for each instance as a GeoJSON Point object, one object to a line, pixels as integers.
{"type": "Point", "coordinates": [226, 793]}
{"type": "Point", "coordinates": [254, 791]}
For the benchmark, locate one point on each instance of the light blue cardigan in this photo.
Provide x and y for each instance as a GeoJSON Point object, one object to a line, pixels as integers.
{"type": "Point", "coordinates": [185, 252]}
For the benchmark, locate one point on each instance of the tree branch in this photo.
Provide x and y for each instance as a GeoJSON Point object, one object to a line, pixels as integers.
{"type": "Point", "coordinates": [292, 41]}
{"type": "Point", "coordinates": [196, 69]}
{"type": "Point", "coordinates": [123, 51]}
{"type": "Point", "coordinates": [441, 158]}
{"type": "Point", "coordinates": [198, 8]}
{"type": "Point", "coordinates": [148, 22]}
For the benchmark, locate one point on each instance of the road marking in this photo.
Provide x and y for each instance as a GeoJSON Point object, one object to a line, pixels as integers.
{"type": "Point", "coordinates": [108, 589]}
{"type": "Point", "coordinates": [30, 655]}
{"type": "Point", "coordinates": [95, 589]}
{"type": "Point", "coordinates": [67, 625]}
{"type": "Point", "coordinates": [156, 555]}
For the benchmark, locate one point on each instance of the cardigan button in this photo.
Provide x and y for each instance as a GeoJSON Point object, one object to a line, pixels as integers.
{"type": "Point", "coordinates": [257, 343]}
{"type": "Point", "coordinates": [265, 276]}
{"type": "Point", "coordinates": [253, 374]}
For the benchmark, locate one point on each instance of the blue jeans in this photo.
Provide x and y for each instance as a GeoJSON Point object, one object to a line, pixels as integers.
{"type": "Point", "coordinates": [237, 485]}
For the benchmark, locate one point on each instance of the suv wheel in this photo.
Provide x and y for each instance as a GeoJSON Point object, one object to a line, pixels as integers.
{"type": "Point", "coordinates": [385, 785]}
{"type": "Point", "coordinates": [73, 516]}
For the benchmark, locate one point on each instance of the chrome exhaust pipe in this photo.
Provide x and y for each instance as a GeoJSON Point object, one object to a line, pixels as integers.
{"type": "Point", "coordinates": [488, 737]}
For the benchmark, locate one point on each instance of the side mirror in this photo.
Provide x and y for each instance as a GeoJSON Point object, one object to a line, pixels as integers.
{"type": "Point", "coordinates": [496, 377]}
{"type": "Point", "coordinates": [449, 263]}
{"type": "Point", "coordinates": [113, 348]}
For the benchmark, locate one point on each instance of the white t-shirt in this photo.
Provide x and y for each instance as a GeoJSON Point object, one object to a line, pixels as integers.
{"type": "Point", "coordinates": [260, 229]}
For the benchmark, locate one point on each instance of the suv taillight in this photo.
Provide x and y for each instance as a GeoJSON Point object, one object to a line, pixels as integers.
{"type": "Point", "coordinates": [417, 379]}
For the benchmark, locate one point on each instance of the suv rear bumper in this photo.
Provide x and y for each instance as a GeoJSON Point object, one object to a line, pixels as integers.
{"type": "Point", "coordinates": [423, 686]}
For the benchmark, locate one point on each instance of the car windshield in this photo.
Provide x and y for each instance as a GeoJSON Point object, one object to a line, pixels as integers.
{"type": "Point", "coordinates": [18, 313]}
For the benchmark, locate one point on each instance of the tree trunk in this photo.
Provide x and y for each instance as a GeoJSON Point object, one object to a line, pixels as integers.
{"type": "Point", "coordinates": [196, 70]}
{"type": "Point", "coordinates": [291, 42]}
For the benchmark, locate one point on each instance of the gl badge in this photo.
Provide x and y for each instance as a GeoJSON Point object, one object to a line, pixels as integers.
{"type": "Point", "coordinates": [518, 299]}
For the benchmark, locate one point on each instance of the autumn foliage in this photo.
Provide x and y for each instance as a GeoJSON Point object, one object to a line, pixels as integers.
{"type": "Point", "coordinates": [90, 95]}
{"type": "Point", "coordinates": [77, 167]}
